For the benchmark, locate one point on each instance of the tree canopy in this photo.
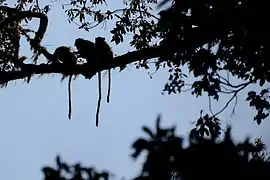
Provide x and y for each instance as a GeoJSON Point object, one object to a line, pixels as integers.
{"type": "Point", "coordinates": [166, 158]}
{"type": "Point", "coordinates": [214, 40]}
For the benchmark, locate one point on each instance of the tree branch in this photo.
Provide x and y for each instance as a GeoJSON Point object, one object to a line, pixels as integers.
{"type": "Point", "coordinates": [234, 96]}
{"type": "Point", "coordinates": [19, 15]}
{"type": "Point", "coordinates": [87, 72]}
{"type": "Point", "coordinates": [147, 53]}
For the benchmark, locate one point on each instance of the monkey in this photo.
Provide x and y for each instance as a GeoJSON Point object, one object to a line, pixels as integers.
{"type": "Point", "coordinates": [104, 55]}
{"type": "Point", "coordinates": [104, 51]}
{"type": "Point", "coordinates": [87, 49]}
{"type": "Point", "coordinates": [65, 56]}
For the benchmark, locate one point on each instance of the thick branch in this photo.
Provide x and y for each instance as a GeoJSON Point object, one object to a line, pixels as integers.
{"type": "Point", "coordinates": [30, 69]}
{"type": "Point", "coordinates": [134, 56]}
{"type": "Point", "coordinates": [19, 15]}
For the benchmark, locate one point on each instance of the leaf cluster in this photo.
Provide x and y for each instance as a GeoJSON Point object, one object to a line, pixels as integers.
{"type": "Point", "coordinates": [76, 171]}
{"type": "Point", "coordinates": [216, 40]}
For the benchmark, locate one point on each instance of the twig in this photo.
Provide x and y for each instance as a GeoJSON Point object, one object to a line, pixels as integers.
{"type": "Point", "coordinates": [37, 4]}
{"type": "Point", "coordinates": [210, 105]}
{"type": "Point", "coordinates": [229, 84]}
{"type": "Point", "coordinates": [234, 107]}
{"type": "Point", "coordinates": [186, 90]}
{"type": "Point", "coordinates": [113, 12]}
{"type": "Point", "coordinates": [234, 95]}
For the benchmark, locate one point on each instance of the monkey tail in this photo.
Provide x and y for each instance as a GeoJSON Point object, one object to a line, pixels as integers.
{"type": "Point", "coordinates": [69, 97]}
{"type": "Point", "coordinates": [109, 86]}
{"type": "Point", "coordinates": [99, 98]}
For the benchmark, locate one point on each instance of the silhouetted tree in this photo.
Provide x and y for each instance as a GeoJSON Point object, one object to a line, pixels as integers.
{"type": "Point", "coordinates": [205, 157]}
{"type": "Point", "coordinates": [214, 39]}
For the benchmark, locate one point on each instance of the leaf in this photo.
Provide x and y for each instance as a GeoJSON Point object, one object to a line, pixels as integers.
{"type": "Point", "coordinates": [193, 133]}
{"type": "Point", "coordinates": [148, 131]}
{"type": "Point", "coordinates": [251, 93]}
{"type": "Point", "coordinates": [199, 121]}
{"type": "Point", "coordinates": [264, 91]}
{"type": "Point", "coordinates": [140, 144]}
{"type": "Point", "coordinates": [58, 162]}
{"type": "Point", "coordinates": [82, 17]}
{"type": "Point", "coordinates": [65, 167]}
{"type": "Point", "coordinates": [158, 123]}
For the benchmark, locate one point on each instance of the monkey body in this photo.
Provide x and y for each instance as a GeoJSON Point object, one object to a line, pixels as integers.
{"type": "Point", "coordinates": [87, 50]}
{"type": "Point", "coordinates": [63, 54]}
{"type": "Point", "coordinates": [104, 52]}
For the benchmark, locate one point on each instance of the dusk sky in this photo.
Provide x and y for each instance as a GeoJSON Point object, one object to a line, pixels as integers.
{"type": "Point", "coordinates": [35, 127]}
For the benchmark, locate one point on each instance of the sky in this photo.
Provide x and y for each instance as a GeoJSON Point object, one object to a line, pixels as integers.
{"type": "Point", "coordinates": [35, 128]}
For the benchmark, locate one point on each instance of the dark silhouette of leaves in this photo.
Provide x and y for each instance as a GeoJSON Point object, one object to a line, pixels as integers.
{"type": "Point", "coordinates": [205, 157]}
{"type": "Point", "coordinates": [64, 171]}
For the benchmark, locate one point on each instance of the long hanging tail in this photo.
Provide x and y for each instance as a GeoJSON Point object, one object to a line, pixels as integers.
{"type": "Point", "coordinates": [69, 97]}
{"type": "Point", "coordinates": [109, 86]}
{"type": "Point", "coordinates": [99, 98]}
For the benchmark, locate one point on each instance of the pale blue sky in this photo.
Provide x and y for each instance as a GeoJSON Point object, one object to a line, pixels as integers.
{"type": "Point", "coordinates": [35, 127]}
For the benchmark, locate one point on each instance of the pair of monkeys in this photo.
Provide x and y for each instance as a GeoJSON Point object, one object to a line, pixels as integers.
{"type": "Point", "coordinates": [96, 55]}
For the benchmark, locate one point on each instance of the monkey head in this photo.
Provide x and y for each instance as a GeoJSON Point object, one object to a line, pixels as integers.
{"type": "Point", "coordinates": [100, 41]}
{"type": "Point", "coordinates": [86, 49]}
{"type": "Point", "coordinates": [78, 43]}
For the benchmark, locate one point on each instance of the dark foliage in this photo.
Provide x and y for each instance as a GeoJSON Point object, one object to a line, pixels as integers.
{"type": "Point", "coordinates": [10, 39]}
{"type": "Point", "coordinates": [217, 37]}
{"type": "Point", "coordinates": [166, 158]}
{"type": "Point", "coordinates": [72, 172]}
